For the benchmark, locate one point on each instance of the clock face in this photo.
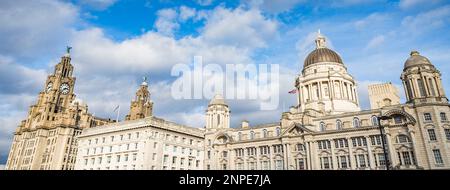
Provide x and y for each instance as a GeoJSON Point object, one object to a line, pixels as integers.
{"type": "Point", "coordinates": [64, 88]}
{"type": "Point", "coordinates": [49, 86]}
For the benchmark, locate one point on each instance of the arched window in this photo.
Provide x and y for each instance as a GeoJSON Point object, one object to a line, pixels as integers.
{"type": "Point", "coordinates": [338, 124]}
{"type": "Point", "coordinates": [252, 135]}
{"type": "Point", "coordinates": [322, 126]}
{"type": "Point", "coordinates": [403, 139]}
{"type": "Point", "coordinates": [239, 136]}
{"type": "Point", "coordinates": [278, 131]}
{"type": "Point", "coordinates": [374, 120]}
{"type": "Point", "coordinates": [356, 122]}
{"type": "Point", "coordinates": [264, 133]}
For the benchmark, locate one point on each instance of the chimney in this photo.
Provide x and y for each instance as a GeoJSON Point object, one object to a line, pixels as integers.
{"type": "Point", "coordinates": [244, 124]}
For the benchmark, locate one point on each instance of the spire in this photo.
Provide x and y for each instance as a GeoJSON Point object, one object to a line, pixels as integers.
{"type": "Point", "coordinates": [320, 41]}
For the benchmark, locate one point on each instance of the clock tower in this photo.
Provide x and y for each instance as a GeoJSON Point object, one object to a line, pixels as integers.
{"type": "Point", "coordinates": [46, 138]}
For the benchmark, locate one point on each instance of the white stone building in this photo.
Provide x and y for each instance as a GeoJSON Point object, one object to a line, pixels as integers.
{"type": "Point", "coordinates": [327, 130]}
{"type": "Point", "coordinates": [142, 142]}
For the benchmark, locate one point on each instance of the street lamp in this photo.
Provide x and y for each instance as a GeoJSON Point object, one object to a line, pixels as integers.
{"type": "Point", "coordinates": [380, 118]}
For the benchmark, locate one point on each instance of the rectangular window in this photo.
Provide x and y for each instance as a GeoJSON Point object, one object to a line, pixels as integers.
{"type": "Point", "coordinates": [406, 158]}
{"type": "Point", "coordinates": [326, 162]}
{"type": "Point", "coordinates": [165, 158]}
{"type": "Point", "coordinates": [381, 160]}
{"type": "Point", "coordinates": [108, 159]}
{"type": "Point", "coordinates": [301, 164]}
{"type": "Point", "coordinates": [432, 135]}
{"type": "Point", "coordinates": [447, 133]}
{"type": "Point", "coordinates": [278, 164]}
{"type": "Point", "coordinates": [134, 156]}
{"type": "Point", "coordinates": [443, 116]}
{"type": "Point", "coordinates": [362, 160]}
{"type": "Point", "coordinates": [343, 162]}
{"type": "Point", "coordinates": [427, 117]}
{"type": "Point", "coordinates": [154, 156]}
{"type": "Point", "coordinates": [118, 158]}
{"type": "Point", "coordinates": [437, 156]}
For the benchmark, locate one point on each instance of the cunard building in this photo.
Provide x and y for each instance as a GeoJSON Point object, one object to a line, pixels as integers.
{"type": "Point", "coordinates": [328, 130]}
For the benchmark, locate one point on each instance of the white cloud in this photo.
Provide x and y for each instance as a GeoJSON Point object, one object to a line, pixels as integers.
{"type": "Point", "coordinates": [186, 13]}
{"type": "Point", "coordinates": [33, 28]}
{"type": "Point", "coordinates": [408, 4]}
{"type": "Point", "coordinates": [167, 21]}
{"type": "Point", "coordinates": [371, 20]}
{"type": "Point", "coordinates": [375, 42]}
{"type": "Point", "coordinates": [427, 21]}
{"type": "Point", "coordinates": [275, 6]}
{"type": "Point", "coordinates": [98, 4]}
{"type": "Point", "coordinates": [240, 28]}
{"type": "Point", "coordinates": [2, 167]}
{"type": "Point", "coordinates": [205, 2]}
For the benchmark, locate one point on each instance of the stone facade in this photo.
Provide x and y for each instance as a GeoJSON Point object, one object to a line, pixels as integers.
{"type": "Point", "coordinates": [327, 130]}
{"type": "Point", "coordinates": [45, 140]}
{"type": "Point", "coordinates": [142, 142]}
{"type": "Point", "coordinates": [381, 95]}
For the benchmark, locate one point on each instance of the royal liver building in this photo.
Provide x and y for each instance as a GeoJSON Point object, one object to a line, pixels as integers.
{"type": "Point", "coordinates": [327, 129]}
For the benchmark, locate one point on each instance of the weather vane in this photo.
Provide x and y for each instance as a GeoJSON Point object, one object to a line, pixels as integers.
{"type": "Point", "coordinates": [145, 79]}
{"type": "Point", "coordinates": [68, 49]}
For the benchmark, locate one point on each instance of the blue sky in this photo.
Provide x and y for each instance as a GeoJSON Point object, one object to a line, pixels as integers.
{"type": "Point", "coordinates": [116, 42]}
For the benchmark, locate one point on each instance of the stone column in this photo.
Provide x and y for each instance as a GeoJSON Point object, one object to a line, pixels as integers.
{"type": "Point", "coordinates": [352, 160]}
{"type": "Point", "coordinates": [369, 150]}
{"type": "Point", "coordinates": [393, 160]}
{"type": "Point", "coordinates": [333, 157]}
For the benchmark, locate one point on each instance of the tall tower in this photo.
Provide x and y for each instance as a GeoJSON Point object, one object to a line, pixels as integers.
{"type": "Point", "coordinates": [217, 114]}
{"type": "Point", "coordinates": [324, 84]}
{"type": "Point", "coordinates": [46, 138]}
{"type": "Point", "coordinates": [422, 81]}
{"type": "Point", "coordinates": [141, 106]}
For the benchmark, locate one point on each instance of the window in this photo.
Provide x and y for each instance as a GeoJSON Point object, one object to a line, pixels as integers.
{"type": "Point", "coordinates": [447, 133]}
{"type": "Point", "coordinates": [118, 158]}
{"type": "Point", "coordinates": [406, 158]}
{"type": "Point", "coordinates": [437, 156]}
{"type": "Point", "coordinates": [103, 140]}
{"type": "Point", "coordinates": [265, 165]}
{"type": "Point", "coordinates": [343, 161]}
{"type": "Point", "coordinates": [165, 158]}
{"type": "Point", "coordinates": [362, 160]}
{"type": "Point", "coordinates": [278, 131]}
{"type": "Point", "coordinates": [398, 119]}
{"type": "Point", "coordinates": [381, 159]}
{"type": "Point", "coordinates": [108, 159]}
{"type": "Point", "coordinates": [374, 120]}
{"type": "Point", "coordinates": [356, 122]}
{"type": "Point", "coordinates": [427, 117]}
{"type": "Point", "coordinates": [134, 156]}
{"type": "Point", "coordinates": [322, 126]}
{"type": "Point", "coordinates": [430, 84]}
{"type": "Point", "coordinates": [129, 136]}
{"type": "Point", "coordinates": [299, 147]}
{"type": "Point", "coordinates": [443, 116]}
{"type": "Point", "coordinates": [174, 148]}
{"type": "Point", "coordinates": [155, 144]}
{"type": "Point", "coordinates": [278, 149]}
{"type": "Point", "coordinates": [240, 166]}
{"type": "Point", "coordinates": [325, 162]}
{"type": "Point", "coordinates": [121, 137]}
{"type": "Point", "coordinates": [251, 151]}
{"type": "Point", "coordinates": [324, 144]}
{"type": "Point", "coordinates": [224, 154]}
{"type": "Point", "coordinates": [174, 160]}
{"type": "Point", "coordinates": [278, 164]}
{"type": "Point", "coordinates": [300, 164]}
{"type": "Point", "coordinates": [402, 139]}
{"type": "Point", "coordinates": [264, 133]}
{"type": "Point", "coordinates": [252, 135]}
{"type": "Point", "coordinates": [432, 135]}
{"type": "Point", "coordinates": [338, 125]}
{"type": "Point", "coordinates": [126, 157]}
{"type": "Point", "coordinates": [239, 136]}
{"type": "Point", "coordinates": [341, 143]}
{"type": "Point", "coordinates": [421, 87]}
{"type": "Point", "coordinates": [264, 150]}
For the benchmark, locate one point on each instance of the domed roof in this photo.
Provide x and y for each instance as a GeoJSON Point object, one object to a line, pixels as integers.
{"type": "Point", "coordinates": [217, 100]}
{"type": "Point", "coordinates": [416, 59]}
{"type": "Point", "coordinates": [321, 53]}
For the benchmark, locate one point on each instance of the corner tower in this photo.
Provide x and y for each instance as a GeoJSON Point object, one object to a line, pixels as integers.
{"type": "Point", "coordinates": [141, 106]}
{"type": "Point", "coordinates": [217, 114]}
{"type": "Point", "coordinates": [422, 81]}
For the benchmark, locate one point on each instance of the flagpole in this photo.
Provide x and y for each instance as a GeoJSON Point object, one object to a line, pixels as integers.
{"type": "Point", "coordinates": [118, 112]}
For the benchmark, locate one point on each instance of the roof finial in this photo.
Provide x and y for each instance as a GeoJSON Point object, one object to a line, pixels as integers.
{"type": "Point", "coordinates": [320, 40]}
{"type": "Point", "coordinates": [144, 81]}
{"type": "Point", "coordinates": [68, 48]}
